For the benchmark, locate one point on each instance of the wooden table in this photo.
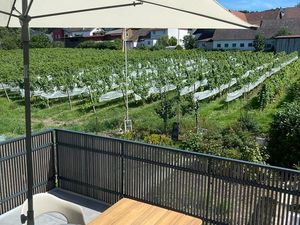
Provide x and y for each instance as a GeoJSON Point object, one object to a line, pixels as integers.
{"type": "Point", "coordinates": [131, 212]}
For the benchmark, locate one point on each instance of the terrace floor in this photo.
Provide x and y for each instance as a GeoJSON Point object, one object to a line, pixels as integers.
{"type": "Point", "coordinates": [91, 209]}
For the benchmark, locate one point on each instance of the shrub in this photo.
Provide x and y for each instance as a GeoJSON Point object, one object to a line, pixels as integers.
{"type": "Point", "coordinates": [259, 42]}
{"type": "Point", "coordinates": [40, 41]}
{"type": "Point", "coordinates": [284, 136]}
{"type": "Point", "coordinates": [8, 43]}
{"type": "Point", "coordinates": [294, 92]}
{"type": "Point", "coordinates": [162, 43]}
{"type": "Point", "coordinates": [172, 41]}
{"type": "Point", "coordinates": [179, 47]}
{"type": "Point", "coordinates": [130, 135]}
{"type": "Point", "coordinates": [189, 42]}
{"type": "Point", "coordinates": [157, 139]}
{"type": "Point", "coordinates": [229, 142]}
{"type": "Point", "coordinates": [248, 123]}
{"type": "Point", "coordinates": [112, 45]}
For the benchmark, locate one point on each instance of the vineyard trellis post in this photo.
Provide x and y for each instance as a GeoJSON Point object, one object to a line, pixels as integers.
{"type": "Point", "coordinates": [127, 121]}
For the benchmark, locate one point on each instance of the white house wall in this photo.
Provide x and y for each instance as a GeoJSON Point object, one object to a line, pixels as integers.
{"type": "Point", "coordinates": [182, 34]}
{"type": "Point", "coordinates": [234, 44]}
{"type": "Point", "coordinates": [146, 43]}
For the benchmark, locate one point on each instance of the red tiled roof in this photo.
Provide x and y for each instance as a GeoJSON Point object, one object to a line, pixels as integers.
{"type": "Point", "coordinates": [257, 17]}
{"type": "Point", "coordinates": [292, 13]}
{"type": "Point", "coordinates": [240, 15]}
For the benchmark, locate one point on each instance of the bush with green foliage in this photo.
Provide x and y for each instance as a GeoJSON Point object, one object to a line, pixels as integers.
{"type": "Point", "coordinates": [259, 42]}
{"type": "Point", "coordinates": [283, 32]}
{"type": "Point", "coordinates": [294, 92]}
{"type": "Point", "coordinates": [179, 47]}
{"type": "Point", "coordinates": [10, 38]}
{"type": "Point", "coordinates": [284, 135]}
{"type": "Point", "coordinates": [40, 41]}
{"type": "Point", "coordinates": [112, 45]}
{"type": "Point", "coordinates": [189, 42]}
{"type": "Point", "coordinates": [157, 139]}
{"type": "Point", "coordinates": [58, 44]}
{"type": "Point", "coordinates": [231, 142]}
{"type": "Point", "coordinates": [129, 135]}
{"type": "Point", "coordinates": [162, 43]}
{"type": "Point", "coordinates": [248, 123]}
{"type": "Point", "coordinates": [172, 41]}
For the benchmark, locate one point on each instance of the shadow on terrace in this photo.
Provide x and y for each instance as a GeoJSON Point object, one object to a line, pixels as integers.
{"type": "Point", "coordinates": [96, 172]}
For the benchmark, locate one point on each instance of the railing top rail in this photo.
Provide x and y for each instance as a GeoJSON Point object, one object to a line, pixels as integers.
{"type": "Point", "coordinates": [187, 152]}
{"type": "Point", "coordinates": [23, 137]}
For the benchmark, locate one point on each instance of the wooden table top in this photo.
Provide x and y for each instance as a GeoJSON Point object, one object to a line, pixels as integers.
{"type": "Point", "coordinates": [131, 212]}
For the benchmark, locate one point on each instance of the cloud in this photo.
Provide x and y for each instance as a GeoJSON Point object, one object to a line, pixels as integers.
{"type": "Point", "coordinates": [254, 5]}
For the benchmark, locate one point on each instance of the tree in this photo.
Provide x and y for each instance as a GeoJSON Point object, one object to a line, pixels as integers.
{"type": "Point", "coordinates": [172, 41]}
{"type": "Point", "coordinates": [284, 136]}
{"type": "Point", "coordinates": [259, 42]}
{"type": "Point", "coordinates": [162, 42]}
{"type": "Point", "coordinates": [40, 41]}
{"type": "Point", "coordinates": [189, 42]}
{"type": "Point", "coordinates": [283, 32]}
{"type": "Point", "coordinates": [165, 111]}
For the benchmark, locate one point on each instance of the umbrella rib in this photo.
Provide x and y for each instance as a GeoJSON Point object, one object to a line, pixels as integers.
{"type": "Point", "coordinates": [8, 14]}
{"type": "Point", "coordinates": [28, 8]}
{"type": "Point", "coordinates": [11, 11]}
{"type": "Point", "coordinates": [86, 10]}
{"type": "Point", "coordinates": [196, 14]}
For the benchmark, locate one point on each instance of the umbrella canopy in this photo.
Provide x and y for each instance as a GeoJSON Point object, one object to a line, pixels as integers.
{"type": "Point", "coordinates": [104, 13]}
{"type": "Point", "coordinates": [122, 13]}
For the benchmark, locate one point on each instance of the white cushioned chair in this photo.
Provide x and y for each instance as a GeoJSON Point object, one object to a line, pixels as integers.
{"type": "Point", "coordinates": [46, 203]}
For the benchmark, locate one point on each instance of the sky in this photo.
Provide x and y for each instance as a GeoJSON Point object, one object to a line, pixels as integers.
{"type": "Point", "coordinates": [257, 5]}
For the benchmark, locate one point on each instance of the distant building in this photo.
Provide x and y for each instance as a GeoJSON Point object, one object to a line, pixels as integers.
{"type": "Point", "coordinates": [288, 44]}
{"type": "Point", "coordinates": [151, 38]}
{"type": "Point", "coordinates": [270, 23]}
{"type": "Point", "coordinates": [83, 32]}
{"type": "Point", "coordinates": [135, 35]}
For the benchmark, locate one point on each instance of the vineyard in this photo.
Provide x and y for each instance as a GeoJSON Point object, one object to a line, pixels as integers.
{"type": "Point", "coordinates": [99, 76]}
{"type": "Point", "coordinates": [58, 73]}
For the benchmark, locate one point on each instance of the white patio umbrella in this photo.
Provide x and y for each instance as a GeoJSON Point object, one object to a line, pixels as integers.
{"type": "Point", "coordinates": [105, 13]}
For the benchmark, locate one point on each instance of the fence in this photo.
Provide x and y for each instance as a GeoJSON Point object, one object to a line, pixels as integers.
{"type": "Point", "coordinates": [13, 174]}
{"type": "Point", "coordinates": [218, 190]}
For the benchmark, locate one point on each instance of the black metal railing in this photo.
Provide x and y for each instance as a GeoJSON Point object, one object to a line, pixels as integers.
{"type": "Point", "coordinates": [13, 174]}
{"type": "Point", "coordinates": [218, 190]}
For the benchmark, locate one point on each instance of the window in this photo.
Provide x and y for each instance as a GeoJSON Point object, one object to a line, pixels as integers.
{"type": "Point", "coordinates": [226, 45]}
{"type": "Point", "coordinates": [218, 45]}
{"type": "Point", "coordinates": [234, 45]}
{"type": "Point", "coordinates": [242, 45]}
{"type": "Point", "coordinates": [269, 46]}
{"type": "Point", "coordinates": [250, 44]}
{"type": "Point", "coordinates": [149, 42]}
{"type": "Point", "coordinates": [154, 32]}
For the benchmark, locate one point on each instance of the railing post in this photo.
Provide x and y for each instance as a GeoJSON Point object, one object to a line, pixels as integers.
{"type": "Point", "coordinates": [53, 149]}
{"type": "Point", "coordinates": [57, 160]}
{"type": "Point", "coordinates": [122, 169]}
{"type": "Point", "coordinates": [1, 177]}
{"type": "Point", "coordinates": [208, 187]}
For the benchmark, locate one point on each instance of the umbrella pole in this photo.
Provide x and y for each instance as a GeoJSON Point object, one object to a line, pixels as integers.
{"type": "Point", "coordinates": [25, 41]}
